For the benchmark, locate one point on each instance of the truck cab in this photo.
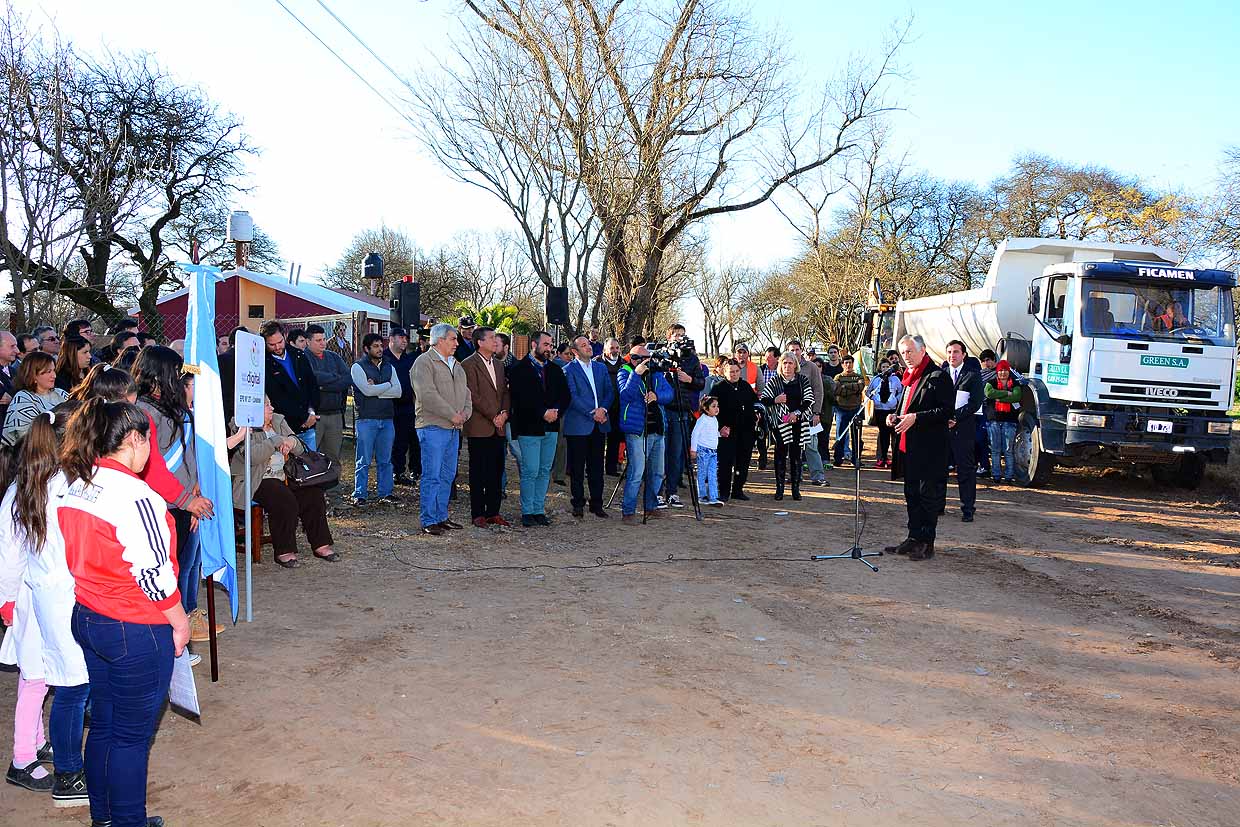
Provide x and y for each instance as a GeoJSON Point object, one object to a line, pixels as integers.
{"type": "Point", "coordinates": [1129, 362]}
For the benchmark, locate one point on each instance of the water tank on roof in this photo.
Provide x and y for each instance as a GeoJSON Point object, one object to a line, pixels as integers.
{"type": "Point", "coordinates": [240, 226]}
{"type": "Point", "coordinates": [372, 267]}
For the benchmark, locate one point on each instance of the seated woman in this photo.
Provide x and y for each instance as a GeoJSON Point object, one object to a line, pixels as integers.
{"type": "Point", "coordinates": [269, 448]}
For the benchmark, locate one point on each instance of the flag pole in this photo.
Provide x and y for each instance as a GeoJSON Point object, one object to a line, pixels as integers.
{"type": "Point", "coordinates": [249, 534]}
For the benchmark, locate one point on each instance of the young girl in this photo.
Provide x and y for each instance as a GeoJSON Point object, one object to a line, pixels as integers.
{"type": "Point", "coordinates": [165, 394]}
{"type": "Point", "coordinates": [704, 447]}
{"type": "Point", "coordinates": [128, 617]}
{"type": "Point", "coordinates": [41, 639]}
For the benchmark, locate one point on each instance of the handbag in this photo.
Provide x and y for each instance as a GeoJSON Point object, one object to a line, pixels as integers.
{"type": "Point", "coordinates": [311, 469]}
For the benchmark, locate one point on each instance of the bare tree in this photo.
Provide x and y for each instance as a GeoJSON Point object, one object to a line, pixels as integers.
{"type": "Point", "coordinates": [114, 152]}
{"type": "Point", "coordinates": [720, 291]}
{"type": "Point", "coordinates": [674, 113]}
{"type": "Point", "coordinates": [490, 130]}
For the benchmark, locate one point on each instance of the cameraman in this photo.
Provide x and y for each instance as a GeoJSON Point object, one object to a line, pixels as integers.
{"type": "Point", "coordinates": [689, 382]}
{"type": "Point", "coordinates": [643, 394]}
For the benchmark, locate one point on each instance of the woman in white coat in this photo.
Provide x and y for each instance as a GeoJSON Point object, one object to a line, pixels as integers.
{"type": "Point", "coordinates": [36, 578]}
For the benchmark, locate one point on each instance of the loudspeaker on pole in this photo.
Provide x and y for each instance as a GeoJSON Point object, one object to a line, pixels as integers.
{"type": "Point", "coordinates": [557, 305]}
{"type": "Point", "coordinates": [404, 302]}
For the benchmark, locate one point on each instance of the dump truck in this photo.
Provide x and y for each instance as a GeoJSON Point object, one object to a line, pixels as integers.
{"type": "Point", "coordinates": [1125, 356]}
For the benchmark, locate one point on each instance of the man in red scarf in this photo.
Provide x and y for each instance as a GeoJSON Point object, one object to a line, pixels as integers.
{"type": "Point", "coordinates": [920, 425]}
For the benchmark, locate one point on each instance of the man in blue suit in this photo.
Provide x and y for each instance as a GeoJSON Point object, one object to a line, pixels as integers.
{"type": "Point", "coordinates": [586, 425]}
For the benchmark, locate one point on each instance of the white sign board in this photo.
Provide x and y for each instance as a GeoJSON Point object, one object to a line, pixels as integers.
{"type": "Point", "coordinates": [250, 353]}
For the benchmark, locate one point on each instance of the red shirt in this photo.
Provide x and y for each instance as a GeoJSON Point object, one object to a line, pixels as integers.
{"type": "Point", "coordinates": [120, 544]}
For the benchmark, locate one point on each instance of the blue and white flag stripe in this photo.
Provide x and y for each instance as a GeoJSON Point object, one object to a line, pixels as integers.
{"type": "Point", "coordinates": [219, 556]}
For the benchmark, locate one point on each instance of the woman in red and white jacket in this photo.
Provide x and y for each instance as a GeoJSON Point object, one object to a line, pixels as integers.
{"type": "Point", "coordinates": [119, 543]}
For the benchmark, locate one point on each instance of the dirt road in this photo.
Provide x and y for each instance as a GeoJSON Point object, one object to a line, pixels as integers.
{"type": "Point", "coordinates": [1070, 658]}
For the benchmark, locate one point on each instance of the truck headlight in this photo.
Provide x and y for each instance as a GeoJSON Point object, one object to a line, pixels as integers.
{"type": "Point", "coordinates": [1076, 419]}
{"type": "Point", "coordinates": [1221, 428]}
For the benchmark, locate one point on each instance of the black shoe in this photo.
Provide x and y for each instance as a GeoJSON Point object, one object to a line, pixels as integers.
{"type": "Point", "coordinates": [24, 779]}
{"type": "Point", "coordinates": [542, 519]}
{"type": "Point", "coordinates": [44, 755]}
{"type": "Point", "coordinates": [779, 495]}
{"type": "Point", "coordinates": [404, 479]}
{"type": "Point", "coordinates": [740, 495]}
{"type": "Point", "coordinates": [577, 512]}
{"type": "Point", "coordinates": [151, 821]}
{"type": "Point", "coordinates": [69, 789]}
{"type": "Point", "coordinates": [599, 512]}
{"type": "Point", "coordinates": [966, 517]}
{"type": "Point", "coordinates": [528, 521]}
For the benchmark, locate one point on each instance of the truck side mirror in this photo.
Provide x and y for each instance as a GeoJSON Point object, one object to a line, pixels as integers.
{"type": "Point", "coordinates": [1035, 296]}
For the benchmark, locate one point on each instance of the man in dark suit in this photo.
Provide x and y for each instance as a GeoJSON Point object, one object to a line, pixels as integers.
{"type": "Point", "coordinates": [291, 384]}
{"type": "Point", "coordinates": [920, 425]}
{"type": "Point", "coordinates": [539, 396]}
{"type": "Point", "coordinates": [8, 358]}
{"type": "Point", "coordinates": [586, 426]}
{"type": "Point", "coordinates": [967, 387]}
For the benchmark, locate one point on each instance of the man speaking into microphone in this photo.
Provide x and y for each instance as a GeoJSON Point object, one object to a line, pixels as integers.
{"type": "Point", "coordinates": [920, 426]}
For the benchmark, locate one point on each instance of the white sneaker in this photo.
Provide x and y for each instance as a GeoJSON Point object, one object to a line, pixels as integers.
{"type": "Point", "coordinates": [716, 503]}
{"type": "Point", "coordinates": [194, 659]}
{"type": "Point", "coordinates": [662, 501]}
{"type": "Point", "coordinates": [674, 501]}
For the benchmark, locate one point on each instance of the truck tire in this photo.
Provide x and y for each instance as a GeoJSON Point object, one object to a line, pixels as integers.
{"type": "Point", "coordinates": [1017, 352]}
{"type": "Point", "coordinates": [1187, 472]}
{"type": "Point", "coordinates": [1033, 465]}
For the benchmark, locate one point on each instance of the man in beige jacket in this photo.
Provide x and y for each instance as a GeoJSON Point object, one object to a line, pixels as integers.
{"type": "Point", "coordinates": [488, 390]}
{"type": "Point", "coordinates": [442, 406]}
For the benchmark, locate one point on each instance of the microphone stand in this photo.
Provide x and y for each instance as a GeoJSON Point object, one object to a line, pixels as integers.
{"type": "Point", "coordinates": [856, 552]}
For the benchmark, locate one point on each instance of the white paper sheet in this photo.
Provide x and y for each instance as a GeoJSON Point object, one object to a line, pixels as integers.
{"type": "Point", "coordinates": [815, 430]}
{"type": "Point", "coordinates": [962, 399]}
{"type": "Point", "coordinates": [183, 692]}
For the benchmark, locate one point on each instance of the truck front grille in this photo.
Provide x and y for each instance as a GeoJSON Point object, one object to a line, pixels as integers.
{"type": "Point", "coordinates": [1191, 394]}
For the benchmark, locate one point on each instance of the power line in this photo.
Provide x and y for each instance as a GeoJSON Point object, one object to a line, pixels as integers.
{"type": "Point", "coordinates": [365, 46]}
{"type": "Point", "coordinates": [346, 63]}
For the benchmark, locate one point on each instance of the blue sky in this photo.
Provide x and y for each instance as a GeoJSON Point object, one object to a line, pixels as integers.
{"type": "Point", "coordinates": [1141, 87]}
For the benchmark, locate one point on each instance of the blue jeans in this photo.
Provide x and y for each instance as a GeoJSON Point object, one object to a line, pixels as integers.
{"type": "Point", "coordinates": [65, 730]}
{"type": "Point", "coordinates": [1002, 437]}
{"type": "Point", "coordinates": [645, 459]}
{"type": "Point", "coordinates": [130, 666]}
{"type": "Point", "coordinates": [440, 448]}
{"type": "Point", "coordinates": [188, 574]}
{"type": "Point", "coordinates": [843, 434]}
{"type": "Point", "coordinates": [675, 443]}
{"type": "Point", "coordinates": [374, 442]}
{"type": "Point", "coordinates": [814, 459]}
{"type": "Point", "coordinates": [708, 474]}
{"type": "Point", "coordinates": [536, 455]}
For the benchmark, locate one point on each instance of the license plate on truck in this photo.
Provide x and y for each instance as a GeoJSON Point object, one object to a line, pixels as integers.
{"type": "Point", "coordinates": [1158, 426]}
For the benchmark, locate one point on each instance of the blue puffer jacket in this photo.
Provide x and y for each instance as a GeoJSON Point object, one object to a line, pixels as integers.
{"type": "Point", "coordinates": [633, 399]}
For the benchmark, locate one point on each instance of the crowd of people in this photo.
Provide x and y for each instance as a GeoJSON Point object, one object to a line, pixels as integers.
{"type": "Point", "coordinates": [99, 558]}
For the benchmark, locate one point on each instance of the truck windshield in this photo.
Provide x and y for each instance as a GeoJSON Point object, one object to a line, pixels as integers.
{"type": "Point", "coordinates": [1135, 310]}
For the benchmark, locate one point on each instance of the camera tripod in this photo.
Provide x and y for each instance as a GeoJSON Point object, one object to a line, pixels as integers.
{"type": "Point", "coordinates": [856, 552]}
{"type": "Point", "coordinates": [688, 460]}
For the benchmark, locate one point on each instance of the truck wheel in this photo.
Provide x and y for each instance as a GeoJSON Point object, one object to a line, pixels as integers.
{"type": "Point", "coordinates": [1033, 465]}
{"type": "Point", "coordinates": [1191, 471]}
{"type": "Point", "coordinates": [1186, 472]}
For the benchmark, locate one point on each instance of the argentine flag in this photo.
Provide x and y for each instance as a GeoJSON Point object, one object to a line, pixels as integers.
{"type": "Point", "coordinates": [219, 556]}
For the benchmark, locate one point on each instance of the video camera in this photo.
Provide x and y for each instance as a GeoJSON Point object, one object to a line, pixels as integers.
{"type": "Point", "coordinates": [669, 355]}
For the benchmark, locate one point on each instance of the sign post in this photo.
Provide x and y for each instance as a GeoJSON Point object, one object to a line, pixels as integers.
{"type": "Point", "coordinates": [251, 379]}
